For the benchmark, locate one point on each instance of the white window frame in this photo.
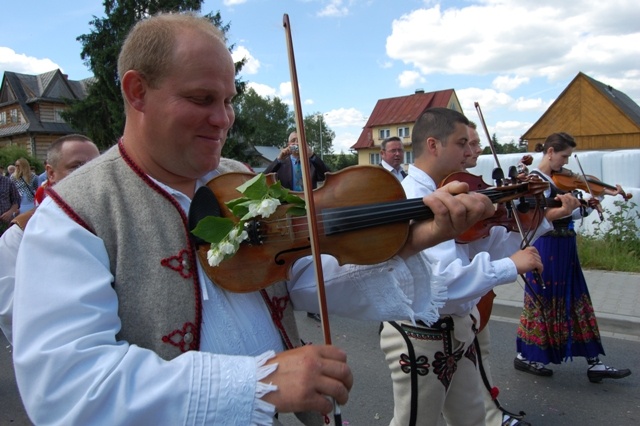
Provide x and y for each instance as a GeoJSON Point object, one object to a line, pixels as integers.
{"type": "Point", "coordinates": [384, 133]}
{"type": "Point", "coordinates": [403, 132]}
{"type": "Point", "coordinates": [374, 158]}
{"type": "Point", "coordinates": [3, 117]}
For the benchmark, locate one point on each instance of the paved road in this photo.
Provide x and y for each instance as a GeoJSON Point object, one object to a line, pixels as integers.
{"type": "Point", "coordinates": [567, 398]}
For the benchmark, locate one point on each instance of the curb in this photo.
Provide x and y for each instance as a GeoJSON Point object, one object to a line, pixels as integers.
{"type": "Point", "coordinates": [612, 325]}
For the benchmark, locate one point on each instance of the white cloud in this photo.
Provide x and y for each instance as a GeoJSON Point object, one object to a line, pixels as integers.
{"type": "Point", "coordinates": [345, 117]}
{"type": "Point", "coordinates": [410, 78]}
{"type": "Point", "coordinates": [229, 3]}
{"type": "Point", "coordinates": [521, 38]}
{"type": "Point", "coordinates": [505, 83]}
{"type": "Point", "coordinates": [17, 62]}
{"type": "Point", "coordinates": [262, 89]}
{"type": "Point", "coordinates": [334, 9]}
{"type": "Point", "coordinates": [252, 66]}
{"type": "Point", "coordinates": [531, 104]}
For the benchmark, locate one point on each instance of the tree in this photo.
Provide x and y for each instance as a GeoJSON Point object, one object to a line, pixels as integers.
{"type": "Point", "coordinates": [101, 114]}
{"type": "Point", "coordinates": [319, 136]}
{"type": "Point", "coordinates": [507, 148]}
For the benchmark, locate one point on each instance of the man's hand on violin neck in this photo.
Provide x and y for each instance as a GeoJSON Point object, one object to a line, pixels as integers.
{"type": "Point", "coordinates": [454, 211]}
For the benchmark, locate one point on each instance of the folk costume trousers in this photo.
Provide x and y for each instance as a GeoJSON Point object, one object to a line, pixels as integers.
{"type": "Point", "coordinates": [434, 370]}
{"type": "Point", "coordinates": [493, 413]}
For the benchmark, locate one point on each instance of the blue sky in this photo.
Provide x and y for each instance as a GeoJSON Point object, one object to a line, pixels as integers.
{"type": "Point", "coordinates": [514, 57]}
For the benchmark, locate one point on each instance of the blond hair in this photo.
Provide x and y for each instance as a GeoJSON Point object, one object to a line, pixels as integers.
{"type": "Point", "coordinates": [23, 171]}
{"type": "Point", "coordinates": [150, 44]}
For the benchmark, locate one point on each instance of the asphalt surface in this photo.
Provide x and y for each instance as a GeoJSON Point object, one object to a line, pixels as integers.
{"type": "Point", "coordinates": [567, 398]}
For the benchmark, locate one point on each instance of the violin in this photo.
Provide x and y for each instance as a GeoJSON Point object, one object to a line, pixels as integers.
{"type": "Point", "coordinates": [356, 225]}
{"type": "Point", "coordinates": [567, 180]}
{"type": "Point", "coordinates": [503, 216]}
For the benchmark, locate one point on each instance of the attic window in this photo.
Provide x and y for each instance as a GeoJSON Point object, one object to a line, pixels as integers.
{"type": "Point", "coordinates": [385, 133]}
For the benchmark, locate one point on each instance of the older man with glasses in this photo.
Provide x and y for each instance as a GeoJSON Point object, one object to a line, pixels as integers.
{"type": "Point", "coordinates": [392, 154]}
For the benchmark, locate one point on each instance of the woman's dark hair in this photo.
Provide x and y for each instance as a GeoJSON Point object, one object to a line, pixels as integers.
{"type": "Point", "coordinates": [558, 141]}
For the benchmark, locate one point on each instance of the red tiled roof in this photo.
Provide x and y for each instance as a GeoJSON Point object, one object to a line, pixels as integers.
{"type": "Point", "coordinates": [400, 110]}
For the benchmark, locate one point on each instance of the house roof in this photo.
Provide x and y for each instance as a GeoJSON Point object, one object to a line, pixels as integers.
{"type": "Point", "coordinates": [622, 101]}
{"type": "Point", "coordinates": [618, 99]}
{"type": "Point", "coordinates": [400, 110]}
{"type": "Point", "coordinates": [25, 90]}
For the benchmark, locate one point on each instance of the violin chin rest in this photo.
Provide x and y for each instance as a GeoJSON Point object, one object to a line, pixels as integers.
{"type": "Point", "coordinates": [204, 204]}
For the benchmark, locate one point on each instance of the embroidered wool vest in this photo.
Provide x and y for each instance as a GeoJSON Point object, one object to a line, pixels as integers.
{"type": "Point", "coordinates": [159, 300]}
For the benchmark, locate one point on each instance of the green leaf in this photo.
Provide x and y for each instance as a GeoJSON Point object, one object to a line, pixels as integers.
{"type": "Point", "coordinates": [213, 229]}
{"type": "Point", "coordinates": [241, 209]}
{"type": "Point", "coordinates": [294, 199]}
{"type": "Point", "coordinates": [297, 211]}
{"type": "Point", "coordinates": [255, 188]}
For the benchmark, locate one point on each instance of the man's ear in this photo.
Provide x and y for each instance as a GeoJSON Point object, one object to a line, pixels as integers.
{"type": "Point", "coordinates": [51, 176]}
{"type": "Point", "coordinates": [432, 145]}
{"type": "Point", "coordinates": [134, 88]}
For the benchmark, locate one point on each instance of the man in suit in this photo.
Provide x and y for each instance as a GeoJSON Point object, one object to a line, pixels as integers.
{"type": "Point", "coordinates": [392, 154]}
{"type": "Point", "coordinates": [289, 172]}
{"type": "Point", "coordinates": [287, 166]}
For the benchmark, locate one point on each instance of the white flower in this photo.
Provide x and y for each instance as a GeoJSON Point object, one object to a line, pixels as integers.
{"type": "Point", "coordinates": [214, 256]}
{"type": "Point", "coordinates": [264, 207]}
{"type": "Point", "coordinates": [233, 235]}
{"type": "Point", "coordinates": [227, 247]}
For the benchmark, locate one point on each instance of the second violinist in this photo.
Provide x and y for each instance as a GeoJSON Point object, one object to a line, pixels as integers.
{"type": "Point", "coordinates": [445, 350]}
{"type": "Point", "coordinates": [543, 335]}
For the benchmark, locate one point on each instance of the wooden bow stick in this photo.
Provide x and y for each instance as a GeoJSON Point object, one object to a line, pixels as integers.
{"type": "Point", "coordinates": [308, 196]}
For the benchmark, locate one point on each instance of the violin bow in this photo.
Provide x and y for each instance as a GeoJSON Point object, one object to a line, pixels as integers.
{"type": "Point", "coordinates": [584, 176]}
{"type": "Point", "coordinates": [308, 196]}
{"type": "Point", "coordinates": [525, 237]}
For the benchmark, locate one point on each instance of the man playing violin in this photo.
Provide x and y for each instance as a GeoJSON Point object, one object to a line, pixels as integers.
{"type": "Point", "coordinates": [115, 321]}
{"type": "Point", "coordinates": [543, 335]}
{"type": "Point", "coordinates": [434, 366]}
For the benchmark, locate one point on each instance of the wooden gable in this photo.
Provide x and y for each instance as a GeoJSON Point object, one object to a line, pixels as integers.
{"type": "Point", "coordinates": [596, 115]}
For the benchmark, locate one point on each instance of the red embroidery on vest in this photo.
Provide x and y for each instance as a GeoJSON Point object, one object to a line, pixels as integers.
{"type": "Point", "coordinates": [179, 263]}
{"type": "Point", "coordinates": [184, 339]}
{"type": "Point", "coordinates": [276, 306]}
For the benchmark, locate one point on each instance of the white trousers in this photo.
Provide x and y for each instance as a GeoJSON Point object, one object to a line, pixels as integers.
{"type": "Point", "coordinates": [434, 370]}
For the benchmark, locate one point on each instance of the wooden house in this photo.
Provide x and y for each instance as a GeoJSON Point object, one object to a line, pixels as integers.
{"type": "Point", "coordinates": [395, 117]}
{"type": "Point", "coordinates": [598, 116]}
{"type": "Point", "coordinates": [31, 106]}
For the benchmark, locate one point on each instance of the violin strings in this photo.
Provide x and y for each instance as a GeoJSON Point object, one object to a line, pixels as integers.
{"type": "Point", "coordinates": [351, 218]}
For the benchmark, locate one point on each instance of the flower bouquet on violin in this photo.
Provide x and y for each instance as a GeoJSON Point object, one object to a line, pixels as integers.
{"type": "Point", "coordinates": [231, 218]}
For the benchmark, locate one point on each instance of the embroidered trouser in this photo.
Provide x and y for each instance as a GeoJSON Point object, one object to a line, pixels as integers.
{"type": "Point", "coordinates": [493, 413]}
{"type": "Point", "coordinates": [434, 370]}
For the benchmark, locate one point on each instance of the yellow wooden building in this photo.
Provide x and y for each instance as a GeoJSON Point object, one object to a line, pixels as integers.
{"type": "Point", "coordinates": [396, 117]}
{"type": "Point", "coordinates": [598, 116]}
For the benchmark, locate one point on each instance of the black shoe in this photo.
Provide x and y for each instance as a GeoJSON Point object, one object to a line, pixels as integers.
{"type": "Point", "coordinates": [513, 421]}
{"type": "Point", "coordinates": [315, 317]}
{"type": "Point", "coordinates": [532, 367]}
{"type": "Point", "coordinates": [596, 376]}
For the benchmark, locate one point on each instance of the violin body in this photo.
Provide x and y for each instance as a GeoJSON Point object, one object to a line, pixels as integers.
{"type": "Point", "coordinates": [567, 180]}
{"type": "Point", "coordinates": [284, 238]}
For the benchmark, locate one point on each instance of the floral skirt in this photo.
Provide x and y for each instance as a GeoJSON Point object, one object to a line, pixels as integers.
{"type": "Point", "coordinates": [558, 321]}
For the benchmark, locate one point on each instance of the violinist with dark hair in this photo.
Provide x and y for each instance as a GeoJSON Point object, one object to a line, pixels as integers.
{"type": "Point", "coordinates": [434, 366]}
{"type": "Point", "coordinates": [558, 321]}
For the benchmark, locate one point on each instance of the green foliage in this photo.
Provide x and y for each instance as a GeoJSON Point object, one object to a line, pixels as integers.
{"type": "Point", "coordinates": [259, 122]}
{"type": "Point", "coordinates": [615, 242]}
{"type": "Point", "coordinates": [9, 155]}
{"type": "Point", "coordinates": [101, 115]}
{"type": "Point", "coordinates": [340, 161]}
{"type": "Point", "coordinates": [319, 136]}
{"type": "Point", "coordinates": [506, 148]}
